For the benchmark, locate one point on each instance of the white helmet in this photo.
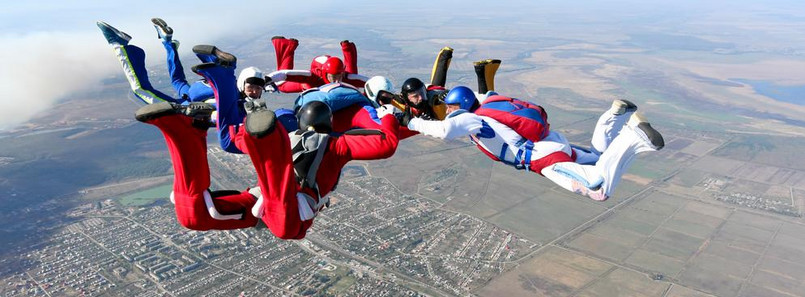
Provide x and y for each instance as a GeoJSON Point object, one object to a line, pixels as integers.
{"type": "Point", "coordinates": [377, 84]}
{"type": "Point", "coordinates": [251, 75]}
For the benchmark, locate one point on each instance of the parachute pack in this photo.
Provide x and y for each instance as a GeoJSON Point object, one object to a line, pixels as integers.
{"type": "Point", "coordinates": [337, 95]}
{"type": "Point", "coordinates": [527, 119]}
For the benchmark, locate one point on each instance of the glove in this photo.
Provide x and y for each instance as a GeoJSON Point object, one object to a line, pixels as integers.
{"type": "Point", "coordinates": [270, 87]}
{"type": "Point", "coordinates": [387, 109]}
{"type": "Point", "coordinates": [405, 117]}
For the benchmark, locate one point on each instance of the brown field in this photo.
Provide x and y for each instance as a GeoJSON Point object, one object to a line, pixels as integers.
{"type": "Point", "coordinates": [700, 148]}
{"type": "Point", "coordinates": [717, 165]}
{"type": "Point", "coordinates": [621, 282]}
{"type": "Point", "coordinates": [556, 272]}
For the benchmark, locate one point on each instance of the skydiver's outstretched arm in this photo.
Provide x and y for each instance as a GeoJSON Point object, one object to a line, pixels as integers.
{"type": "Point", "coordinates": [438, 75]}
{"type": "Point", "coordinates": [464, 124]}
{"type": "Point", "coordinates": [485, 72]}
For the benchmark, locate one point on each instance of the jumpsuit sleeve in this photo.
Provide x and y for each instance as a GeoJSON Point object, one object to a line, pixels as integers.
{"type": "Point", "coordinates": [451, 128]}
{"type": "Point", "coordinates": [370, 147]}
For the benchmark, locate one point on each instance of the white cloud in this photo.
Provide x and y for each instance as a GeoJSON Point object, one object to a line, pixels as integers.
{"type": "Point", "coordinates": [69, 54]}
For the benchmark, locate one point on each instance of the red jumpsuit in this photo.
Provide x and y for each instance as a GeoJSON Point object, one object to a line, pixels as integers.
{"type": "Point", "coordinates": [271, 156]}
{"type": "Point", "coordinates": [295, 81]}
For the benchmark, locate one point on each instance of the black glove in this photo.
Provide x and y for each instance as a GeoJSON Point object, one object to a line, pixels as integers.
{"type": "Point", "coordinates": [405, 117]}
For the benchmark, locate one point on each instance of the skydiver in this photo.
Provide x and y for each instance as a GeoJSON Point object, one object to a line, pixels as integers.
{"type": "Point", "coordinates": [620, 134]}
{"type": "Point", "coordinates": [324, 69]}
{"type": "Point", "coordinates": [426, 100]}
{"type": "Point", "coordinates": [132, 59]}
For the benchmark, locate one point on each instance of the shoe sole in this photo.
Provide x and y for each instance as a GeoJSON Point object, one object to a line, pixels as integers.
{"type": "Point", "coordinates": [154, 111]}
{"type": "Point", "coordinates": [196, 109]}
{"type": "Point", "coordinates": [260, 123]}
{"type": "Point", "coordinates": [224, 58]}
{"type": "Point", "coordinates": [653, 135]}
{"type": "Point", "coordinates": [198, 67]}
{"type": "Point", "coordinates": [104, 26]}
{"type": "Point", "coordinates": [162, 25]}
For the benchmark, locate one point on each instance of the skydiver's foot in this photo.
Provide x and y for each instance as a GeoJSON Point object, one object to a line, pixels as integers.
{"type": "Point", "coordinates": [278, 37]}
{"type": "Point", "coordinates": [175, 44]}
{"type": "Point", "coordinates": [345, 43]}
{"type": "Point", "coordinates": [164, 32]}
{"type": "Point", "coordinates": [199, 67]}
{"type": "Point", "coordinates": [622, 106]}
{"type": "Point", "coordinates": [112, 34]}
{"type": "Point", "coordinates": [210, 53]}
{"type": "Point", "coordinates": [595, 194]}
{"type": "Point", "coordinates": [260, 121]}
{"type": "Point", "coordinates": [199, 111]}
{"type": "Point", "coordinates": [644, 130]}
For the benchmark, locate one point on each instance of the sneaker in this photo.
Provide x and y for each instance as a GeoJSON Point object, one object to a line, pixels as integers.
{"type": "Point", "coordinates": [278, 37]}
{"type": "Point", "coordinates": [346, 43]}
{"type": "Point", "coordinates": [196, 110]}
{"type": "Point", "coordinates": [164, 32]}
{"type": "Point", "coordinates": [175, 44]}
{"type": "Point", "coordinates": [639, 123]}
{"type": "Point", "coordinates": [260, 122]}
{"type": "Point", "coordinates": [113, 35]}
{"type": "Point", "coordinates": [621, 106]}
{"type": "Point", "coordinates": [221, 57]}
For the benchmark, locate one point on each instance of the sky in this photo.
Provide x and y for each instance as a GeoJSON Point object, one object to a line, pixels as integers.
{"type": "Point", "coordinates": [53, 49]}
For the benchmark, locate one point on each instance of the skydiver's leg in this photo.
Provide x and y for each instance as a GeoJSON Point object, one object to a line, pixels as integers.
{"type": "Point", "coordinates": [175, 70]}
{"type": "Point", "coordinates": [350, 56]}
{"type": "Point", "coordinates": [132, 59]}
{"type": "Point", "coordinates": [637, 136]}
{"type": "Point", "coordinates": [224, 86]}
{"type": "Point", "coordinates": [271, 156]}
{"type": "Point", "coordinates": [284, 49]}
{"type": "Point", "coordinates": [485, 72]}
{"type": "Point", "coordinates": [195, 207]}
{"type": "Point", "coordinates": [610, 124]}
{"type": "Point", "coordinates": [438, 75]}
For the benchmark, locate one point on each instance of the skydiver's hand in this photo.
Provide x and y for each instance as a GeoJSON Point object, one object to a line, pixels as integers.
{"type": "Point", "coordinates": [388, 109]}
{"type": "Point", "coordinates": [439, 98]}
{"type": "Point", "coordinates": [270, 86]}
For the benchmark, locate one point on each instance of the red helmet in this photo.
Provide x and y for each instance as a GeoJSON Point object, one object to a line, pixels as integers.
{"type": "Point", "coordinates": [333, 65]}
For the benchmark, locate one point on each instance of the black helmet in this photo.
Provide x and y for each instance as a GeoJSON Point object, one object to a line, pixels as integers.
{"type": "Point", "coordinates": [315, 114]}
{"type": "Point", "coordinates": [413, 85]}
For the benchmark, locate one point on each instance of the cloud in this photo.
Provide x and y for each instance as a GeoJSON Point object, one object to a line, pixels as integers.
{"type": "Point", "coordinates": [59, 55]}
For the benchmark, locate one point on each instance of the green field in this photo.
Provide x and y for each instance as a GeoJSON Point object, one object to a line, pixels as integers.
{"type": "Point", "coordinates": [148, 196]}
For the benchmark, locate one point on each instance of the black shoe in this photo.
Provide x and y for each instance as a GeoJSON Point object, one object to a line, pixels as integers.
{"type": "Point", "coordinates": [199, 111]}
{"type": "Point", "coordinates": [638, 122]}
{"type": "Point", "coordinates": [278, 37]}
{"type": "Point", "coordinates": [260, 121]}
{"type": "Point", "coordinates": [156, 110]}
{"type": "Point", "coordinates": [222, 58]}
{"type": "Point", "coordinates": [196, 68]}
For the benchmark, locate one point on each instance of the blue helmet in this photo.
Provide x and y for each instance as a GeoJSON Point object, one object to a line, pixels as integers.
{"type": "Point", "coordinates": [463, 96]}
